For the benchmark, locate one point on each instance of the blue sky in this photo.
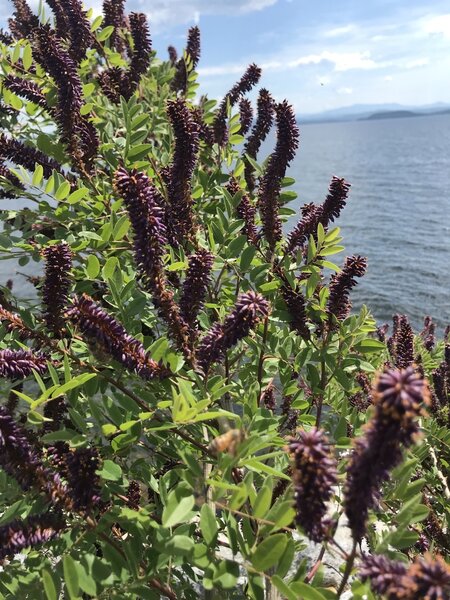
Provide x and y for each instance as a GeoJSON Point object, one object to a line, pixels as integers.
{"type": "Point", "coordinates": [319, 55]}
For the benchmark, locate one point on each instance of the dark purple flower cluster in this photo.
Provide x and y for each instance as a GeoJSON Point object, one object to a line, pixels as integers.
{"type": "Point", "coordinates": [268, 397]}
{"type": "Point", "coordinates": [248, 80]}
{"type": "Point", "coordinates": [245, 211]}
{"type": "Point", "coordinates": [114, 16]}
{"type": "Point", "coordinates": [58, 264]}
{"type": "Point", "coordinates": [173, 54]}
{"type": "Point", "coordinates": [26, 89]}
{"type": "Point", "coordinates": [181, 217]}
{"type": "Point", "coordinates": [96, 324]}
{"type": "Point", "coordinates": [79, 29]}
{"type": "Point", "coordinates": [205, 131]}
{"type": "Point", "coordinates": [28, 157]}
{"type": "Point", "coordinates": [427, 578]}
{"type": "Point", "coordinates": [76, 132]}
{"type": "Point", "coordinates": [314, 476]}
{"type": "Point", "coordinates": [18, 364]}
{"type": "Point", "coordinates": [62, 24]}
{"type": "Point", "coordinates": [264, 122]}
{"type": "Point", "coordinates": [401, 343]}
{"type": "Point", "coordinates": [398, 398]}
{"type": "Point", "coordinates": [35, 530]}
{"type": "Point", "coordinates": [142, 46]}
{"type": "Point", "coordinates": [363, 398]}
{"type": "Point", "coordinates": [83, 484]}
{"type": "Point", "coordinates": [147, 220]}
{"type": "Point", "coordinates": [245, 115]}
{"type": "Point", "coordinates": [324, 214]}
{"type": "Point", "coordinates": [195, 285]}
{"type": "Point", "coordinates": [116, 82]}
{"type": "Point", "coordinates": [5, 37]}
{"type": "Point", "coordinates": [441, 384]}
{"type": "Point", "coordinates": [24, 21]}
{"type": "Point", "coordinates": [279, 160]}
{"type": "Point", "coordinates": [291, 415]}
{"type": "Point", "coordinates": [134, 495]}
{"type": "Point", "coordinates": [12, 179]}
{"type": "Point", "coordinates": [183, 68]}
{"type": "Point", "coordinates": [249, 310]}
{"type": "Point", "coordinates": [296, 305]}
{"type": "Point", "coordinates": [339, 303]}
{"type": "Point", "coordinates": [15, 323]}
{"type": "Point", "coordinates": [56, 410]}
{"type": "Point", "coordinates": [427, 334]}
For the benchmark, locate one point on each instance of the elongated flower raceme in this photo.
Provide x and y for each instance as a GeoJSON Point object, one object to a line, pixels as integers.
{"type": "Point", "coordinates": [35, 530]}
{"type": "Point", "coordinates": [248, 80]}
{"type": "Point", "coordinates": [245, 211]}
{"type": "Point", "coordinates": [205, 131]}
{"type": "Point", "coordinates": [17, 152]}
{"type": "Point", "coordinates": [324, 214]}
{"type": "Point", "coordinates": [76, 132]}
{"type": "Point", "coordinates": [245, 115]}
{"type": "Point", "coordinates": [58, 263]}
{"type": "Point", "coordinates": [398, 397]}
{"type": "Point", "coordinates": [140, 59]}
{"type": "Point", "coordinates": [5, 37]}
{"type": "Point", "coordinates": [341, 284]}
{"type": "Point", "coordinates": [249, 310]}
{"type": "Point", "coordinates": [18, 364]}
{"type": "Point", "coordinates": [15, 323]}
{"type": "Point", "coordinates": [187, 63]}
{"type": "Point", "coordinates": [427, 334]}
{"type": "Point", "coordinates": [80, 34]}
{"type": "Point", "coordinates": [173, 54]}
{"type": "Point", "coordinates": [12, 179]}
{"type": "Point", "coordinates": [147, 219]}
{"type": "Point", "coordinates": [401, 343]}
{"type": "Point", "coordinates": [83, 484]}
{"type": "Point", "coordinates": [314, 475]}
{"type": "Point", "coordinates": [296, 305]}
{"type": "Point", "coordinates": [195, 285]}
{"type": "Point", "coordinates": [427, 578]}
{"type": "Point", "coordinates": [114, 16]}
{"type": "Point", "coordinates": [268, 195]}
{"type": "Point", "coordinates": [96, 324]}
{"type": "Point", "coordinates": [24, 21]}
{"type": "Point", "coordinates": [26, 89]}
{"type": "Point", "coordinates": [264, 122]}
{"type": "Point", "coordinates": [62, 25]}
{"type": "Point", "coordinates": [181, 217]}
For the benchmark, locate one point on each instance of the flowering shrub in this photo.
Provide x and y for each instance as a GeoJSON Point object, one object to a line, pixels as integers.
{"type": "Point", "coordinates": [190, 406]}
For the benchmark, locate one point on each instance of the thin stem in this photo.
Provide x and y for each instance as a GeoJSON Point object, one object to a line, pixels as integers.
{"type": "Point", "coordinates": [347, 572]}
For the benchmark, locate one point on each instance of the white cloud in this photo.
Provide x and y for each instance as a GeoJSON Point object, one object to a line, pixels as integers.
{"type": "Point", "coordinates": [388, 78]}
{"type": "Point", "coordinates": [418, 62]}
{"type": "Point", "coordinates": [339, 31]}
{"type": "Point", "coordinates": [438, 25]}
{"type": "Point", "coordinates": [342, 61]}
{"type": "Point", "coordinates": [346, 91]}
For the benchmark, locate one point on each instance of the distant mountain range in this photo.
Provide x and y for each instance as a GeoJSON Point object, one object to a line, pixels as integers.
{"type": "Point", "coordinates": [358, 112]}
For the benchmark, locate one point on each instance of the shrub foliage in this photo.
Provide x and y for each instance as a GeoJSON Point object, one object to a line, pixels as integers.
{"type": "Point", "coordinates": [189, 404]}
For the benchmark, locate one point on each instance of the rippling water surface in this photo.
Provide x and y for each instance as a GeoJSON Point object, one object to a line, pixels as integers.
{"type": "Point", "coordinates": [398, 214]}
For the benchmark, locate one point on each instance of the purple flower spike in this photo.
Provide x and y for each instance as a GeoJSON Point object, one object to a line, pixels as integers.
{"type": "Point", "coordinates": [270, 188]}
{"type": "Point", "coordinates": [401, 343]}
{"type": "Point", "coordinates": [296, 305]}
{"type": "Point", "coordinates": [195, 286]}
{"type": "Point", "coordinates": [12, 179]}
{"type": "Point", "coordinates": [17, 152]}
{"type": "Point", "coordinates": [58, 263]}
{"type": "Point", "coordinates": [248, 80]}
{"type": "Point", "coordinates": [83, 485]}
{"type": "Point", "coordinates": [173, 54]}
{"type": "Point", "coordinates": [140, 59]}
{"type": "Point", "coordinates": [114, 16]}
{"type": "Point", "coordinates": [181, 217]}
{"type": "Point", "coordinates": [35, 530]}
{"type": "Point", "coordinates": [18, 364]}
{"type": "Point", "coordinates": [245, 115]}
{"type": "Point", "coordinates": [314, 475]}
{"type": "Point", "coordinates": [427, 577]}
{"type": "Point", "coordinates": [24, 21]}
{"type": "Point", "coordinates": [179, 83]}
{"type": "Point", "coordinates": [324, 214]}
{"type": "Point", "coordinates": [26, 89]}
{"type": "Point", "coordinates": [97, 324]}
{"type": "Point", "coordinates": [245, 211]}
{"type": "Point", "coordinates": [339, 304]}
{"type": "Point", "coordinates": [399, 396]}
{"type": "Point", "coordinates": [250, 309]}
{"type": "Point", "coordinates": [80, 34]}
{"type": "Point", "coordinates": [264, 122]}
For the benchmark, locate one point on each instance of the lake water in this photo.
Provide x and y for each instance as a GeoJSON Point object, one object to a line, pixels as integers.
{"type": "Point", "coordinates": [398, 213]}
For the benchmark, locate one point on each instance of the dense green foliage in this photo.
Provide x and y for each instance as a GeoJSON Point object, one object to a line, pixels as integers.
{"type": "Point", "coordinates": [181, 510]}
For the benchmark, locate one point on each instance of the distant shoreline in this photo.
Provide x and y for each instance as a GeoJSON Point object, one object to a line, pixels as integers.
{"type": "Point", "coordinates": [375, 116]}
